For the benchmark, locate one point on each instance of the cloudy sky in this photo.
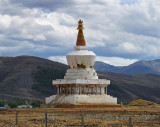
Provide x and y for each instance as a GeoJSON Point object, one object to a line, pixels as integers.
{"type": "Point", "coordinates": [120, 32]}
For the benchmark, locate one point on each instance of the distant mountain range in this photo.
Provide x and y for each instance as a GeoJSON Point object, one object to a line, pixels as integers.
{"type": "Point", "coordinates": [139, 67]}
{"type": "Point", "coordinates": [28, 76]}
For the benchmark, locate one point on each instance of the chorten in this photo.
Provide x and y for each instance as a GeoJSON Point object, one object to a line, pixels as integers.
{"type": "Point", "coordinates": [80, 86]}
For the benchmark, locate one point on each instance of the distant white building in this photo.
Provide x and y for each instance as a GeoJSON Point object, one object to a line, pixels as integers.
{"type": "Point", "coordinates": [24, 106]}
{"type": "Point", "coordinates": [80, 86]}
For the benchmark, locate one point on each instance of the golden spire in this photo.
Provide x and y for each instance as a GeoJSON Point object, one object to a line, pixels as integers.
{"type": "Point", "coordinates": [80, 37]}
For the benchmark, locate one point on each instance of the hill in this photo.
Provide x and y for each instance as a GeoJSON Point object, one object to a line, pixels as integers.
{"type": "Point", "coordinates": [130, 87]}
{"type": "Point", "coordinates": [144, 103]}
{"type": "Point", "coordinates": [101, 66]}
{"type": "Point", "coordinates": [139, 67]}
{"type": "Point", "coordinates": [28, 76]}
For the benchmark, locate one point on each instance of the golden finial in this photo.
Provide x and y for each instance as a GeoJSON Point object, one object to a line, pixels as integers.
{"type": "Point", "coordinates": [80, 37]}
{"type": "Point", "coordinates": [80, 25]}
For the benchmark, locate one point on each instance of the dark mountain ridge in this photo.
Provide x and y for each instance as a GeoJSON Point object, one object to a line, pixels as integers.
{"type": "Point", "coordinates": [28, 76]}
{"type": "Point", "coordinates": [18, 75]}
{"type": "Point", "coordinates": [139, 67]}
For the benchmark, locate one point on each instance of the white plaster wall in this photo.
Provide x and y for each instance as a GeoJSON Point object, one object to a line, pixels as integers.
{"type": "Point", "coordinates": [102, 90]}
{"type": "Point", "coordinates": [81, 77]}
{"type": "Point", "coordinates": [49, 99]}
{"type": "Point", "coordinates": [104, 99]}
{"type": "Point", "coordinates": [102, 82]}
{"type": "Point", "coordinates": [81, 70]}
{"type": "Point", "coordinates": [84, 57]}
{"type": "Point", "coordinates": [87, 73]}
{"type": "Point", "coordinates": [73, 99]}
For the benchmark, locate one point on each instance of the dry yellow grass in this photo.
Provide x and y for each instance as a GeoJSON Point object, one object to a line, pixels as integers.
{"type": "Point", "coordinates": [61, 117]}
{"type": "Point", "coordinates": [144, 103]}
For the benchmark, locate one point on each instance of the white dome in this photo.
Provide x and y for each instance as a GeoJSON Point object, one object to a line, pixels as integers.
{"type": "Point", "coordinates": [81, 58]}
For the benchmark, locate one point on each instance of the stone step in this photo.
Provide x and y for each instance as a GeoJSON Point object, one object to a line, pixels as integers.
{"type": "Point", "coordinates": [81, 70]}
{"type": "Point", "coordinates": [82, 74]}
{"type": "Point", "coordinates": [81, 77]}
{"type": "Point", "coordinates": [81, 81]}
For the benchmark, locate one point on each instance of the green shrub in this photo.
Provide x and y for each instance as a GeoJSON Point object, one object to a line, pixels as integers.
{"type": "Point", "coordinates": [13, 104]}
{"type": "Point", "coordinates": [20, 102]}
{"type": "Point", "coordinates": [37, 103]}
{"type": "Point", "coordinates": [3, 103]}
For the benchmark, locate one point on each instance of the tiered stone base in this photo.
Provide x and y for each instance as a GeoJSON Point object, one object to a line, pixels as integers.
{"type": "Point", "coordinates": [82, 100]}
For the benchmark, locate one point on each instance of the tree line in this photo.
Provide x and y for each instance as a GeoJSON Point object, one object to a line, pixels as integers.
{"type": "Point", "coordinates": [15, 104]}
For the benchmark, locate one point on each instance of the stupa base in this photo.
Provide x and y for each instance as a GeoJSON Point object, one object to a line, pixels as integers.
{"type": "Point", "coordinates": [80, 101]}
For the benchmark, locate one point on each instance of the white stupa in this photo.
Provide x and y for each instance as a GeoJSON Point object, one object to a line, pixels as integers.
{"type": "Point", "coordinates": [81, 86]}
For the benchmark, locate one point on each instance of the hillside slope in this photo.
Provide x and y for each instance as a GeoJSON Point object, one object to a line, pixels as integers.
{"type": "Point", "coordinates": [130, 87]}
{"type": "Point", "coordinates": [24, 76]}
{"type": "Point", "coordinates": [28, 76]}
{"type": "Point", "coordinates": [101, 66]}
{"type": "Point", "coordinates": [139, 67]}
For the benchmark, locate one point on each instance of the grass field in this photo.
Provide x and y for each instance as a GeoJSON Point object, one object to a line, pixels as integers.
{"type": "Point", "coordinates": [142, 116]}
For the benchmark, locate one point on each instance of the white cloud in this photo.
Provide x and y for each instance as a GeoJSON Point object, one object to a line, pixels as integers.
{"type": "Point", "coordinates": [5, 21]}
{"type": "Point", "coordinates": [116, 28]}
{"type": "Point", "coordinates": [61, 59]}
{"type": "Point", "coordinates": [127, 47]}
{"type": "Point", "coordinates": [116, 61]}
